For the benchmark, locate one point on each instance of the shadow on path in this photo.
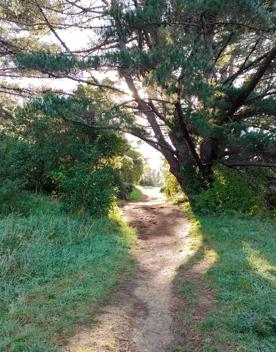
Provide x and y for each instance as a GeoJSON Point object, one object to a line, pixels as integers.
{"type": "Point", "coordinates": [140, 317]}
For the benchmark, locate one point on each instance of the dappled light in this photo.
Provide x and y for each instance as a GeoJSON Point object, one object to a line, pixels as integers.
{"type": "Point", "coordinates": [227, 285]}
{"type": "Point", "coordinates": [137, 176]}
{"type": "Point", "coordinates": [140, 312]}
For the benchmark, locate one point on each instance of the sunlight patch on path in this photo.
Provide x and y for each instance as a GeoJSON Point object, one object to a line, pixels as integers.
{"type": "Point", "coordinates": [139, 318]}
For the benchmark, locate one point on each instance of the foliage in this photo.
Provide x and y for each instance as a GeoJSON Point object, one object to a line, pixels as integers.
{"type": "Point", "coordinates": [231, 189]}
{"type": "Point", "coordinates": [171, 187]}
{"type": "Point", "coordinates": [136, 194]}
{"type": "Point", "coordinates": [12, 199]}
{"type": "Point", "coordinates": [45, 152]}
{"type": "Point", "coordinates": [130, 169]}
{"type": "Point", "coordinates": [239, 254]}
{"type": "Point", "coordinates": [54, 270]}
{"type": "Point", "coordinates": [130, 166]}
{"type": "Point", "coordinates": [89, 191]}
{"type": "Point", "coordinates": [151, 177]}
{"type": "Point", "coordinates": [199, 73]}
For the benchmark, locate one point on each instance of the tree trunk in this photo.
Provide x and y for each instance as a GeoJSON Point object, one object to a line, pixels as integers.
{"type": "Point", "coordinates": [188, 177]}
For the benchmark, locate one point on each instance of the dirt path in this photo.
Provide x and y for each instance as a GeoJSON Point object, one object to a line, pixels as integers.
{"type": "Point", "coordinates": [139, 319]}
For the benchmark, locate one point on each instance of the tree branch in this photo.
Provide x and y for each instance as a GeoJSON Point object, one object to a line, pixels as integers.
{"type": "Point", "coordinates": [186, 135]}
{"type": "Point", "coordinates": [253, 82]}
{"type": "Point", "coordinates": [51, 27]}
{"type": "Point", "coordinates": [242, 69]}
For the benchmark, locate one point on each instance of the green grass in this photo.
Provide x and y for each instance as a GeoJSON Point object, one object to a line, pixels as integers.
{"type": "Point", "coordinates": [55, 270]}
{"type": "Point", "coordinates": [242, 279]}
{"type": "Point", "coordinates": [136, 194]}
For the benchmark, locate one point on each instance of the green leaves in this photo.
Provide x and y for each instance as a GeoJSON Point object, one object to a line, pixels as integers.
{"type": "Point", "coordinates": [46, 62]}
{"type": "Point", "coordinates": [55, 63]}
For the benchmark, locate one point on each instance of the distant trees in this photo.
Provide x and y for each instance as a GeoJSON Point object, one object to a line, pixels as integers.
{"type": "Point", "coordinates": [151, 177]}
{"type": "Point", "coordinates": [193, 72]}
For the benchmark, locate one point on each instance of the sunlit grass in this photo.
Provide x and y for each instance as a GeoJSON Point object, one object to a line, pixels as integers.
{"type": "Point", "coordinates": [136, 194]}
{"type": "Point", "coordinates": [54, 272]}
{"type": "Point", "coordinates": [242, 276]}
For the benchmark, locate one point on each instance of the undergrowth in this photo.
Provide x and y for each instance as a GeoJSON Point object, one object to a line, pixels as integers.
{"type": "Point", "coordinates": [136, 194]}
{"type": "Point", "coordinates": [55, 270]}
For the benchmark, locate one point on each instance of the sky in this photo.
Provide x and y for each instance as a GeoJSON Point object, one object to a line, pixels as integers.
{"type": "Point", "coordinates": [152, 156]}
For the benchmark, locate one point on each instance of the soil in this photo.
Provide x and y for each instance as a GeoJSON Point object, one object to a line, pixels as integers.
{"type": "Point", "coordinates": [140, 316]}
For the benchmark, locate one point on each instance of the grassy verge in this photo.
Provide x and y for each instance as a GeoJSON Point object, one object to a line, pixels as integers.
{"type": "Point", "coordinates": [55, 270]}
{"type": "Point", "coordinates": [228, 287]}
{"type": "Point", "coordinates": [136, 194]}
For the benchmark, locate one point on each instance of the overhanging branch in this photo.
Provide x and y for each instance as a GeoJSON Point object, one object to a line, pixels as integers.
{"type": "Point", "coordinates": [252, 83]}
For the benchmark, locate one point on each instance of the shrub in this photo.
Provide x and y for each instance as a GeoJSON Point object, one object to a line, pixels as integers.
{"type": "Point", "coordinates": [171, 187]}
{"type": "Point", "coordinates": [14, 200]}
{"type": "Point", "coordinates": [124, 189]}
{"type": "Point", "coordinates": [231, 189]}
{"type": "Point", "coordinates": [46, 153]}
{"type": "Point", "coordinates": [85, 189]}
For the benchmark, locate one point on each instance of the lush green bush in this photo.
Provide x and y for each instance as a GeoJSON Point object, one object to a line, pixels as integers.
{"type": "Point", "coordinates": [136, 194]}
{"type": "Point", "coordinates": [124, 189]}
{"type": "Point", "coordinates": [89, 191]}
{"type": "Point", "coordinates": [171, 187]}
{"type": "Point", "coordinates": [231, 190]}
{"type": "Point", "coordinates": [45, 152]}
{"type": "Point", "coordinates": [130, 166]}
{"type": "Point", "coordinates": [14, 200]}
{"type": "Point", "coordinates": [129, 169]}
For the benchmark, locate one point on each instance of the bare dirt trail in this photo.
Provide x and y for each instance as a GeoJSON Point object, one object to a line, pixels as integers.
{"type": "Point", "coordinates": [139, 319]}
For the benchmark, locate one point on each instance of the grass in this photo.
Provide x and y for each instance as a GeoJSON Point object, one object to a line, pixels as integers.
{"type": "Point", "coordinates": [55, 271]}
{"type": "Point", "coordinates": [240, 282]}
{"type": "Point", "coordinates": [136, 194]}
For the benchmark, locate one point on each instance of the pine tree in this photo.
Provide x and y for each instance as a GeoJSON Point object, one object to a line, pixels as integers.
{"type": "Point", "coordinates": [199, 76]}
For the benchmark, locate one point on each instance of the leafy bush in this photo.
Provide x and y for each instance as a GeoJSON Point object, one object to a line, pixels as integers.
{"type": "Point", "coordinates": [14, 200]}
{"type": "Point", "coordinates": [171, 187]}
{"type": "Point", "coordinates": [231, 189]}
{"type": "Point", "coordinates": [136, 194]}
{"type": "Point", "coordinates": [46, 153]}
{"type": "Point", "coordinates": [83, 189]}
{"type": "Point", "coordinates": [124, 189]}
{"type": "Point", "coordinates": [130, 166]}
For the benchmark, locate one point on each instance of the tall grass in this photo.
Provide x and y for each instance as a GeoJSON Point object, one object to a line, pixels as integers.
{"type": "Point", "coordinates": [54, 271]}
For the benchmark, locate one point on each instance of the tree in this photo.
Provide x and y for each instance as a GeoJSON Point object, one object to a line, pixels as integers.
{"type": "Point", "coordinates": [131, 166]}
{"type": "Point", "coordinates": [199, 76]}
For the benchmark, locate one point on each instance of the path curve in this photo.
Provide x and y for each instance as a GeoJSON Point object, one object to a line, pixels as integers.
{"type": "Point", "coordinates": [139, 319]}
